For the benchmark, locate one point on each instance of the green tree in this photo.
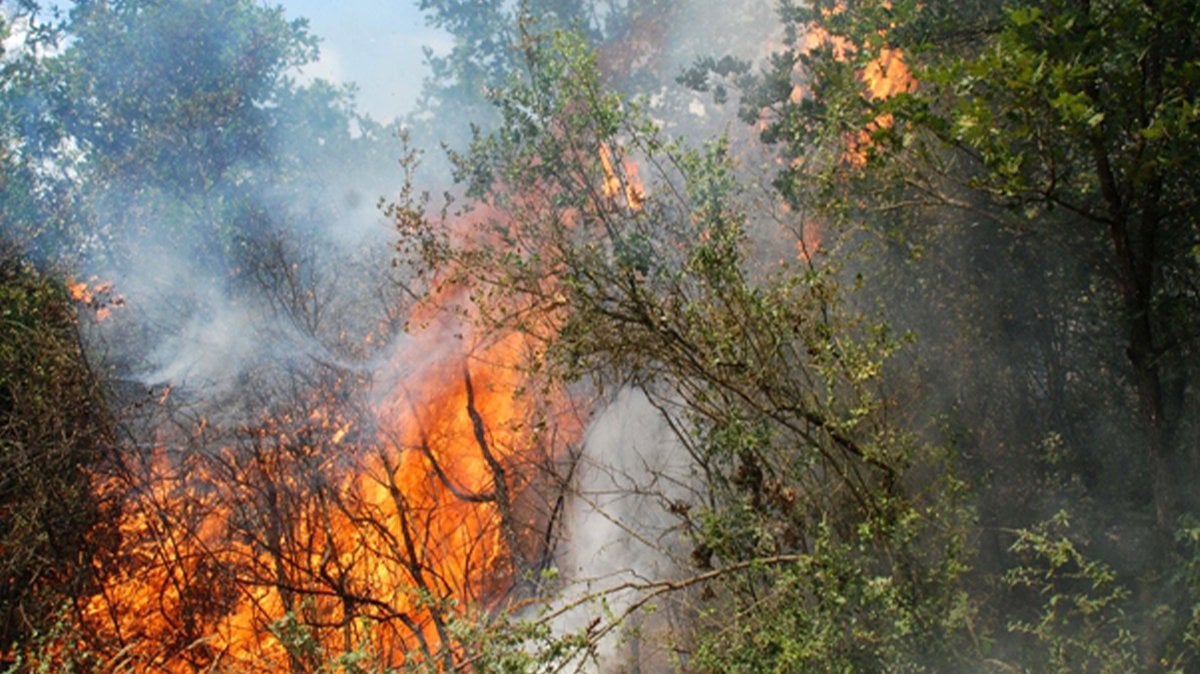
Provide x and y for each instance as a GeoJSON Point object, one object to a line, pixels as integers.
{"type": "Point", "coordinates": [812, 503]}
{"type": "Point", "coordinates": [35, 199]}
{"type": "Point", "coordinates": [1031, 202]}
{"type": "Point", "coordinates": [170, 108]}
{"type": "Point", "coordinates": [186, 124]}
{"type": "Point", "coordinates": [641, 44]}
{"type": "Point", "coordinates": [1062, 122]}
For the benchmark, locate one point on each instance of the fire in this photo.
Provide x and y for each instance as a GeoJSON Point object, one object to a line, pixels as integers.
{"type": "Point", "coordinates": [628, 183]}
{"type": "Point", "coordinates": [463, 436]}
{"type": "Point", "coordinates": [166, 600]}
{"type": "Point", "coordinates": [319, 530]}
{"type": "Point", "coordinates": [885, 76]}
{"type": "Point", "coordinates": [96, 295]}
{"type": "Point", "coordinates": [340, 434]}
{"type": "Point", "coordinates": [419, 524]}
{"type": "Point", "coordinates": [79, 292]}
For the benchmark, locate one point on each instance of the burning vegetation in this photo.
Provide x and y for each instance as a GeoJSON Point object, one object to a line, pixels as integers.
{"type": "Point", "coordinates": [898, 375]}
{"type": "Point", "coordinates": [330, 524]}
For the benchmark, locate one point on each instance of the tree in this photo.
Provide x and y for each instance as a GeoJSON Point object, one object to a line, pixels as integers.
{"type": "Point", "coordinates": [974, 150]}
{"type": "Point", "coordinates": [1018, 170]}
{"type": "Point", "coordinates": [186, 125]}
{"type": "Point", "coordinates": [37, 201]}
{"type": "Point", "coordinates": [641, 46]}
{"type": "Point", "coordinates": [770, 383]}
{"type": "Point", "coordinates": [1065, 120]}
{"type": "Point", "coordinates": [991, 179]}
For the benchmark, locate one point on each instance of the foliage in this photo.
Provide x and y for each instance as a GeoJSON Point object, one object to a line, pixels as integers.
{"type": "Point", "coordinates": [29, 193]}
{"type": "Point", "coordinates": [222, 77]}
{"type": "Point", "coordinates": [1029, 202]}
{"type": "Point", "coordinates": [833, 610]}
{"type": "Point", "coordinates": [55, 432]}
{"type": "Point", "coordinates": [1050, 126]}
{"type": "Point", "coordinates": [307, 652]}
{"type": "Point", "coordinates": [169, 141]}
{"type": "Point", "coordinates": [181, 126]}
{"type": "Point", "coordinates": [59, 646]}
{"type": "Point", "coordinates": [1025, 143]}
{"type": "Point", "coordinates": [504, 643]}
{"type": "Point", "coordinates": [1082, 623]}
{"type": "Point", "coordinates": [772, 385]}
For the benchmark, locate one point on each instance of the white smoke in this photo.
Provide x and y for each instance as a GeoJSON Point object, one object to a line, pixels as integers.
{"type": "Point", "coordinates": [621, 537]}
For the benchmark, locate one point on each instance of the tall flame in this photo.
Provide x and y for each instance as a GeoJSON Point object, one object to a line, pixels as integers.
{"type": "Point", "coordinates": [628, 183]}
{"type": "Point", "coordinates": [414, 528]}
{"type": "Point", "coordinates": [322, 529]}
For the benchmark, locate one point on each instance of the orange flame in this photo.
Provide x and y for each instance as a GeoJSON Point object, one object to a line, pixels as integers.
{"type": "Point", "coordinates": [886, 75]}
{"type": "Point", "coordinates": [422, 524]}
{"type": "Point", "coordinates": [318, 530]}
{"type": "Point", "coordinates": [628, 183]}
{"type": "Point", "coordinates": [363, 538]}
{"type": "Point", "coordinates": [96, 295]}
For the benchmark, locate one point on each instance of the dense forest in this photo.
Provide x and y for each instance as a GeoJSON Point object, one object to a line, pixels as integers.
{"type": "Point", "coordinates": [661, 335]}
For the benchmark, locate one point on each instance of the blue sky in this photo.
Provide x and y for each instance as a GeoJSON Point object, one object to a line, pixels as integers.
{"type": "Point", "coordinates": [375, 43]}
